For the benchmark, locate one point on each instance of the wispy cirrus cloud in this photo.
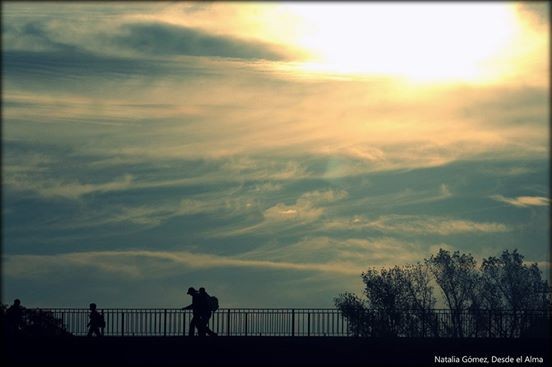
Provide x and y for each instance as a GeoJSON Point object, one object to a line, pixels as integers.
{"type": "Point", "coordinates": [216, 121]}
{"type": "Point", "coordinates": [160, 55]}
{"type": "Point", "coordinates": [142, 263]}
{"type": "Point", "coordinates": [167, 39]}
{"type": "Point", "coordinates": [523, 201]}
{"type": "Point", "coordinates": [127, 35]}
{"type": "Point", "coordinates": [360, 252]}
{"type": "Point", "coordinates": [317, 254]}
{"type": "Point", "coordinates": [307, 209]}
{"type": "Point", "coordinates": [69, 189]}
{"type": "Point", "coordinates": [417, 224]}
{"type": "Point", "coordinates": [146, 216]}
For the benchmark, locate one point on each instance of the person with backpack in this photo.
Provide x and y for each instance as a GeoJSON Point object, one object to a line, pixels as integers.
{"type": "Point", "coordinates": [96, 323]}
{"type": "Point", "coordinates": [207, 305]}
{"type": "Point", "coordinates": [197, 313]}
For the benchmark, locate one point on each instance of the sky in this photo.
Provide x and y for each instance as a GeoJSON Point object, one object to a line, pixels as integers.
{"type": "Point", "coordinates": [269, 152]}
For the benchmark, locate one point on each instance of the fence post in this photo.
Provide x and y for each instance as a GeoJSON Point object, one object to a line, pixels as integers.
{"type": "Point", "coordinates": [122, 323]}
{"type": "Point", "coordinates": [228, 322]}
{"type": "Point", "coordinates": [103, 318]}
{"type": "Point", "coordinates": [308, 323]}
{"type": "Point", "coordinates": [183, 323]}
{"type": "Point", "coordinates": [292, 322]}
{"type": "Point", "coordinates": [165, 323]}
{"type": "Point", "coordinates": [246, 324]}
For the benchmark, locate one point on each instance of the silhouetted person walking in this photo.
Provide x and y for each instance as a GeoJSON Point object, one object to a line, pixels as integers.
{"type": "Point", "coordinates": [197, 321]}
{"type": "Point", "coordinates": [96, 323]}
{"type": "Point", "coordinates": [14, 318]}
{"type": "Point", "coordinates": [205, 310]}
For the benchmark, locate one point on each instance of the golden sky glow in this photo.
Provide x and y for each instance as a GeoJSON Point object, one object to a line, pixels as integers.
{"type": "Point", "coordinates": [422, 42]}
{"type": "Point", "coordinates": [418, 41]}
{"type": "Point", "coordinates": [266, 144]}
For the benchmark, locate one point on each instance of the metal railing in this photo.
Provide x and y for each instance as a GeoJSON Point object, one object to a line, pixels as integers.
{"type": "Point", "coordinates": [228, 322]}
{"type": "Point", "coordinates": [309, 322]}
{"type": "Point", "coordinates": [449, 323]}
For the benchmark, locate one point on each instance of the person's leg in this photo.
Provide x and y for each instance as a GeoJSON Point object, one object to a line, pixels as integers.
{"type": "Point", "coordinates": [193, 325]}
{"type": "Point", "coordinates": [201, 326]}
{"type": "Point", "coordinates": [90, 331]}
{"type": "Point", "coordinates": [208, 330]}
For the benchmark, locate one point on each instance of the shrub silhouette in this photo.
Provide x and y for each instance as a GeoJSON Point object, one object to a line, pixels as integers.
{"type": "Point", "coordinates": [34, 322]}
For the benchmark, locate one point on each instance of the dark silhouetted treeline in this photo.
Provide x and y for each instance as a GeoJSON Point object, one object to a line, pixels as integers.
{"type": "Point", "coordinates": [501, 297]}
{"type": "Point", "coordinates": [17, 320]}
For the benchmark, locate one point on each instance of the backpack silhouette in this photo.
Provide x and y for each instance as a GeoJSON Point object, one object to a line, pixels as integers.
{"type": "Point", "coordinates": [213, 303]}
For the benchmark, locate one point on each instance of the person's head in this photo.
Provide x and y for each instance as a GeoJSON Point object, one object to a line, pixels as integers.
{"type": "Point", "coordinates": [92, 306]}
{"type": "Point", "coordinates": [191, 291]}
{"type": "Point", "coordinates": [202, 290]}
{"type": "Point", "coordinates": [16, 302]}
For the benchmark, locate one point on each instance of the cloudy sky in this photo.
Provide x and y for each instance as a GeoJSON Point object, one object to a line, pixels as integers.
{"type": "Point", "coordinates": [269, 152]}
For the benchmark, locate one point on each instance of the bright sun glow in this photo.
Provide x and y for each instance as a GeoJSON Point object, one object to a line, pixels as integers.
{"type": "Point", "coordinates": [427, 42]}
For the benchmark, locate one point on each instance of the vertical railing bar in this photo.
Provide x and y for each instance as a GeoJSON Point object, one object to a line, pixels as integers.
{"type": "Point", "coordinates": [130, 326]}
{"type": "Point", "coordinates": [293, 322]}
{"type": "Point", "coordinates": [228, 322]}
{"type": "Point", "coordinates": [165, 323]}
{"type": "Point", "coordinates": [184, 317]}
{"type": "Point", "coordinates": [246, 314]}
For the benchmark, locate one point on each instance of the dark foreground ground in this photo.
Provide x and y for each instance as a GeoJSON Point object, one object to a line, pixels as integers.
{"type": "Point", "coordinates": [272, 351]}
